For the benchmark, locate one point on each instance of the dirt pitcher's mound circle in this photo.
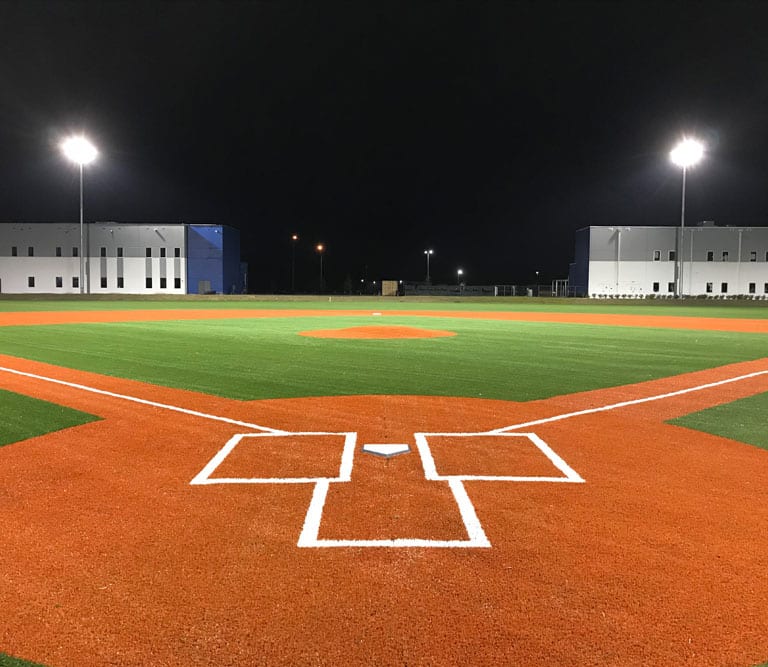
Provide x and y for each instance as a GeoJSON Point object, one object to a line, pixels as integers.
{"type": "Point", "coordinates": [378, 333]}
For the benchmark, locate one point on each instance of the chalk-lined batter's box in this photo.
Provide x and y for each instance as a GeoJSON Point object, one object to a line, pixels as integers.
{"type": "Point", "coordinates": [281, 458]}
{"type": "Point", "coordinates": [507, 457]}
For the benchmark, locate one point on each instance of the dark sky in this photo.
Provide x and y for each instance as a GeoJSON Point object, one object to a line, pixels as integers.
{"type": "Point", "coordinates": [489, 131]}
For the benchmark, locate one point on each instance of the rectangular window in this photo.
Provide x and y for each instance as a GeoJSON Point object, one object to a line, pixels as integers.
{"type": "Point", "coordinates": [710, 255]}
{"type": "Point", "coordinates": [723, 288]}
{"type": "Point", "coordinates": [58, 251]}
{"type": "Point", "coordinates": [709, 288]}
{"type": "Point", "coordinates": [14, 251]}
{"type": "Point", "coordinates": [177, 252]}
{"type": "Point", "coordinates": [162, 252]}
{"type": "Point", "coordinates": [670, 287]}
{"type": "Point", "coordinates": [655, 287]}
{"type": "Point", "coordinates": [120, 282]}
{"type": "Point", "coordinates": [75, 251]}
{"type": "Point", "coordinates": [59, 281]}
{"type": "Point", "coordinates": [149, 252]}
{"type": "Point", "coordinates": [753, 256]}
{"type": "Point", "coordinates": [149, 283]}
{"type": "Point", "coordinates": [765, 288]}
{"type": "Point", "coordinates": [30, 251]}
{"type": "Point", "coordinates": [75, 281]}
{"type": "Point", "coordinates": [177, 283]}
{"type": "Point", "coordinates": [725, 255]}
{"type": "Point", "coordinates": [103, 251]}
{"type": "Point", "coordinates": [656, 255]}
{"type": "Point", "coordinates": [163, 283]}
{"type": "Point", "coordinates": [119, 252]}
{"type": "Point", "coordinates": [31, 281]}
{"type": "Point", "coordinates": [671, 255]}
{"type": "Point", "coordinates": [103, 282]}
{"type": "Point", "coordinates": [752, 287]}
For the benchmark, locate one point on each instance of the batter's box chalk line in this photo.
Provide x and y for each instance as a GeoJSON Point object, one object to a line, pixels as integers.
{"type": "Point", "coordinates": [309, 537]}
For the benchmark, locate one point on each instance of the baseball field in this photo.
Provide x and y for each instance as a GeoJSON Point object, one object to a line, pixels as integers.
{"type": "Point", "coordinates": [383, 482]}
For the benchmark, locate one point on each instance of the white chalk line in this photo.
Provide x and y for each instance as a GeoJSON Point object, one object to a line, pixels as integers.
{"type": "Point", "coordinates": [624, 404]}
{"type": "Point", "coordinates": [142, 401]}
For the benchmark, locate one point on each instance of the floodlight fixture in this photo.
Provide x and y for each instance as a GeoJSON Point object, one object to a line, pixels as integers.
{"type": "Point", "coordinates": [428, 253]}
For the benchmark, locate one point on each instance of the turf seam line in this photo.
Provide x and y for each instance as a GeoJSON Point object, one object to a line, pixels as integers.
{"type": "Point", "coordinates": [624, 404]}
{"type": "Point", "coordinates": [134, 399]}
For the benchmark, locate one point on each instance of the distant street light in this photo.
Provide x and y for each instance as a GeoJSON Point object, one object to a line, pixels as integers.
{"type": "Point", "coordinates": [294, 239]}
{"type": "Point", "coordinates": [80, 151]}
{"type": "Point", "coordinates": [320, 250]}
{"type": "Point", "coordinates": [687, 153]}
{"type": "Point", "coordinates": [459, 274]}
{"type": "Point", "coordinates": [428, 253]}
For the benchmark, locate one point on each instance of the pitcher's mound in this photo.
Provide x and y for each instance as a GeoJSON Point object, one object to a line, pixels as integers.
{"type": "Point", "coordinates": [378, 332]}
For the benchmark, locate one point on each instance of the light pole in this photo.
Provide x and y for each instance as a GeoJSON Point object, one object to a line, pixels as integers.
{"type": "Point", "coordinates": [320, 250]}
{"type": "Point", "coordinates": [294, 239]}
{"type": "Point", "coordinates": [428, 253]}
{"type": "Point", "coordinates": [459, 274]}
{"type": "Point", "coordinates": [80, 151]}
{"type": "Point", "coordinates": [686, 154]}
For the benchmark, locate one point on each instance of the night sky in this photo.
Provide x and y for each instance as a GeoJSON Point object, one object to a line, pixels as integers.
{"type": "Point", "coordinates": [489, 131]}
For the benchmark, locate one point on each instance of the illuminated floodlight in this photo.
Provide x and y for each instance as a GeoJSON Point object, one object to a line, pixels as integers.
{"type": "Point", "coordinates": [687, 153]}
{"type": "Point", "coordinates": [79, 150]}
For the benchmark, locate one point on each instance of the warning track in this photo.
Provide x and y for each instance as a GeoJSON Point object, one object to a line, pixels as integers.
{"type": "Point", "coordinates": [111, 557]}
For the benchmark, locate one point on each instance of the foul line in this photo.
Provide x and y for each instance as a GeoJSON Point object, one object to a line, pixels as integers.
{"type": "Point", "coordinates": [624, 404]}
{"type": "Point", "coordinates": [142, 401]}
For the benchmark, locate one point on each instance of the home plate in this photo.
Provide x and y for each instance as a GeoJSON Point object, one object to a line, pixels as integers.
{"type": "Point", "coordinates": [386, 450]}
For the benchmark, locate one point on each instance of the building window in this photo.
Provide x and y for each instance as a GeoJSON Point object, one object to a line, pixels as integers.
{"type": "Point", "coordinates": [103, 251]}
{"type": "Point", "coordinates": [753, 256]}
{"type": "Point", "coordinates": [723, 288]}
{"type": "Point", "coordinates": [149, 252]}
{"type": "Point", "coordinates": [177, 252]}
{"type": "Point", "coordinates": [162, 252]}
{"type": "Point", "coordinates": [30, 251]}
{"type": "Point", "coordinates": [163, 283]}
{"type": "Point", "coordinates": [75, 281]}
{"type": "Point", "coordinates": [656, 255]}
{"type": "Point", "coordinates": [765, 288]}
{"type": "Point", "coordinates": [103, 282]}
{"type": "Point", "coordinates": [120, 283]}
{"type": "Point", "coordinates": [725, 255]}
{"type": "Point", "coordinates": [14, 251]}
{"type": "Point", "coordinates": [119, 252]}
{"type": "Point", "coordinates": [710, 255]}
{"type": "Point", "coordinates": [58, 251]}
{"type": "Point", "coordinates": [670, 287]}
{"type": "Point", "coordinates": [75, 251]}
{"type": "Point", "coordinates": [671, 255]}
{"type": "Point", "coordinates": [655, 287]}
{"type": "Point", "coordinates": [31, 281]}
{"type": "Point", "coordinates": [752, 287]}
{"type": "Point", "coordinates": [709, 288]}
{"type": "Point", "coordinates": [177, 283]}
{"type": "Point", "coordinates": [149, 283]}
{"type": "Point", "coordinates": [59, 281]}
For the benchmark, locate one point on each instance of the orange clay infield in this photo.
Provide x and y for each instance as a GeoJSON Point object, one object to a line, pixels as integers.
{"type": "Point", "coordinates": [111, 557]}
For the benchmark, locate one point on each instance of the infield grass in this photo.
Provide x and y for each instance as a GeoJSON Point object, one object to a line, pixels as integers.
{"type": "Point", "coordinates": [251, 359]}
{"type": "Point", "coordinates": [8, 661]}
{"type": "Point", "coordinates": [22, 417]}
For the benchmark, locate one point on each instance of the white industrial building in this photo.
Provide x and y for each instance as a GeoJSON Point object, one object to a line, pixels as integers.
{"type": "Point", "coordinates": [119, 258]}
{"type": "Point", "coordinates": [703, 260]}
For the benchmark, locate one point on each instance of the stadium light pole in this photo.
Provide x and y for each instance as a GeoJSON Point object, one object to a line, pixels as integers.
{"type": "Point", "coordinates": [294, 239]}
{"type": "Point", "coordinates": [459, 274]}
{"type": "Point", "coordinates": [320, 250]}
{"type": "Point", "coordinates": [82, 152]}
{"type": "Point", "coordinates": [428, 253]}
{"type": "Point", "coordinates": [686, 154]}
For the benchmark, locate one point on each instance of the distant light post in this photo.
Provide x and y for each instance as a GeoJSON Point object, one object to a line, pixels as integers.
{"type": "Point", "coordinates": [687, 153]}
{"type": "Point", "coordinates": [459, 274]}
{"type": "Point", "coordinates": [428, 253]}
{"type": "Point", "coordinates": [80, 151]}
{"type": "Point", "coordinates": [320, 250]}
{"type": "Point", "coordinates": [294, 239]}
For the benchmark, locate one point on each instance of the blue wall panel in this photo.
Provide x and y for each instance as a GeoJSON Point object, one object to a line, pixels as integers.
{"type": "Point", "coordinates": [213, 255]}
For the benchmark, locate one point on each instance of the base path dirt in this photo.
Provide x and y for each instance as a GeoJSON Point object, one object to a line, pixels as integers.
{"type": "Point", "coordinates": [651, 553]}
